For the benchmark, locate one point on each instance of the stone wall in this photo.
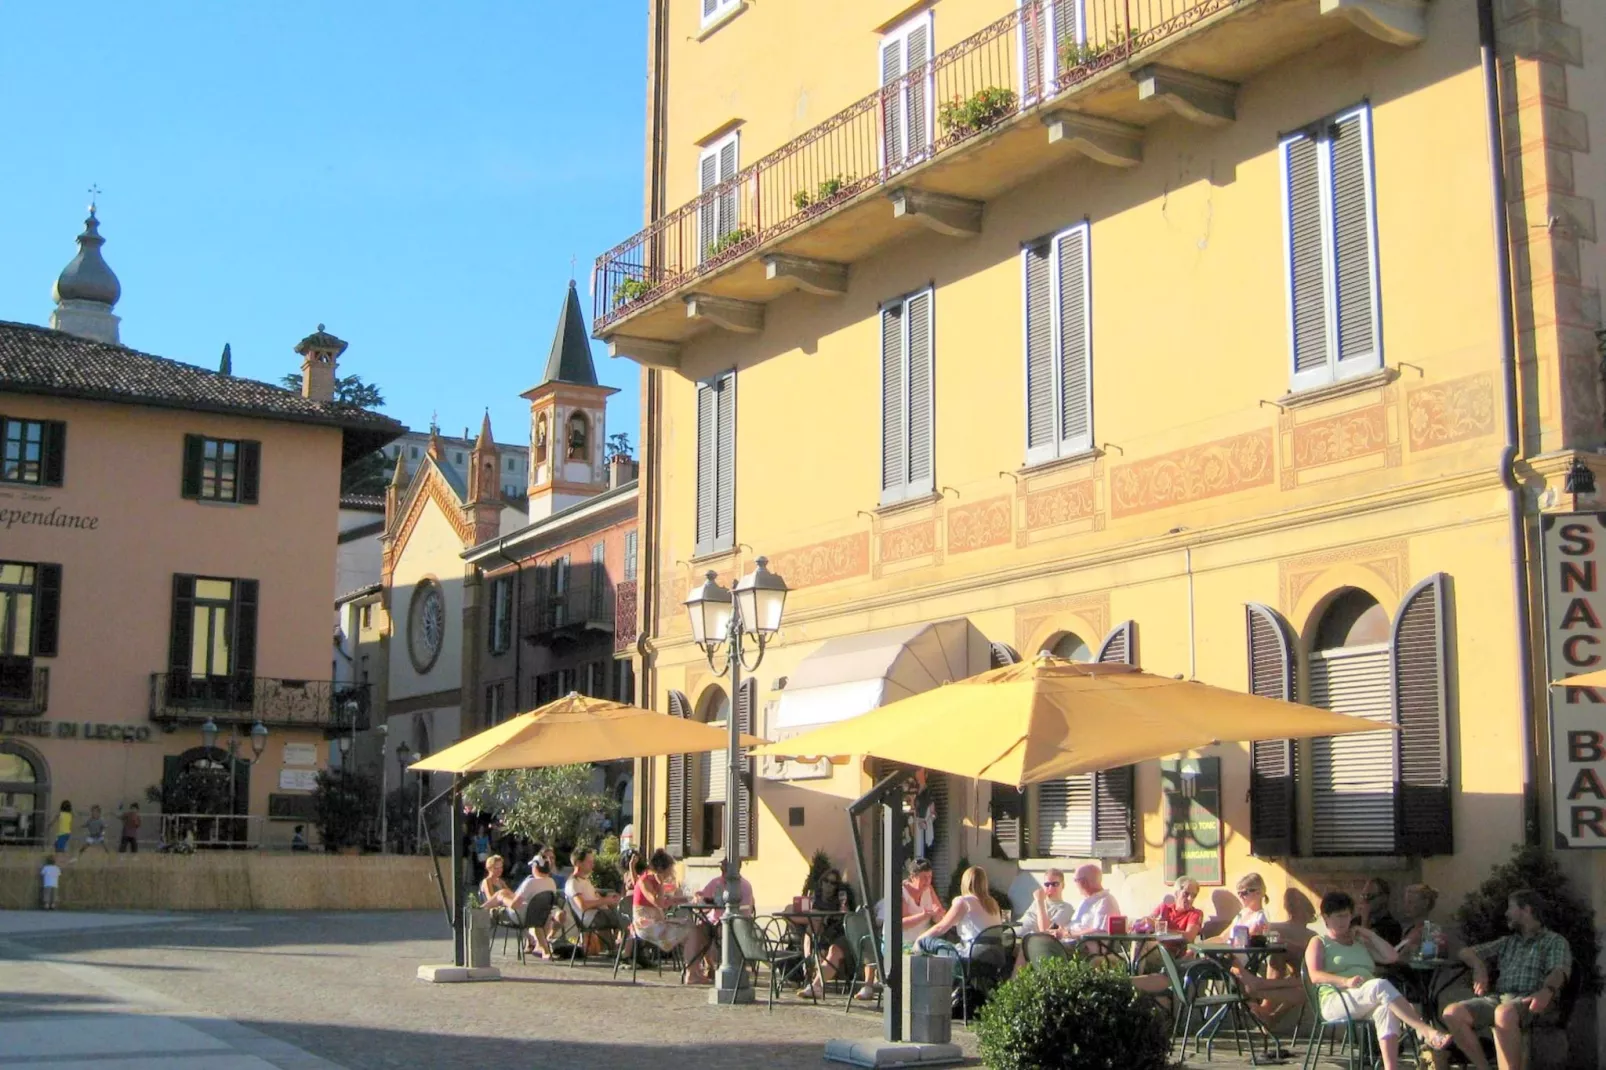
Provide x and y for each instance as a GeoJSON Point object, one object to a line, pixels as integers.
{"type": "Point", "coordinates": [243, 880]}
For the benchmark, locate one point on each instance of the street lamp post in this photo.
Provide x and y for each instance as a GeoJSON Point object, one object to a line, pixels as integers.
{"type": "Point", "coordinates": [727, 618]}
{"type": "Point", "coordinates": [259, 743]}
{"type": "Point", "coordinates": [383, 730]}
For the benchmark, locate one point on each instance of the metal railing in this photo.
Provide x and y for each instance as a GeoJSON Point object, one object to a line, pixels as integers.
{"type": "Point", "coordinates": [20, 827]}
{"type": "Point", "coordinates": [1011, 67]}
{"type": "Point", "coordinates": [24, 687]}
{"type": "Point", "coordinates": [329, 704]}
{"type": "Point", "coordinates": [586, 600]}
{"type": "Point", "coordinates": [624, 616]}
{"type": "Point", "coordinates": [183, 833]}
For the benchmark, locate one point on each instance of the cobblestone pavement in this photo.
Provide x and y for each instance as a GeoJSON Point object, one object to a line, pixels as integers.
{"type": "Point", "coordinates": [326, 991]}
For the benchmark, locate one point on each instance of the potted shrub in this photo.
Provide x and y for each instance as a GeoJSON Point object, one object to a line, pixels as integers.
{"type": "Point", "coordinates": [729, 240]}
{"type": "Point", "coordinates": [961, 117]}
{"type": "Point", "coordinates": [628, 290]}
{"type": "Point", "coordinates": [1074, 54]}
{"type": "Point", "coordinates": [1070, 1014]}
{"type": "Point", "coordinates": [823, 194]}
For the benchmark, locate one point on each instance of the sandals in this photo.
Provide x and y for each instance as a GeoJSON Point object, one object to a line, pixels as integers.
{"type": "Point", "coordinates": [866, 993]}
{"type": "Point", "coordinates": [1438, 1040]}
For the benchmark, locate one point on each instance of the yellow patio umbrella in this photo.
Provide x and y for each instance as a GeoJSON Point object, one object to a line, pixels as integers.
{"type": "Point", "coordinates": [1585, 679]}
{"type": "Point", "coordinates": [1049, 718]}
{"type": "Point", "coordinates": [577, 729]}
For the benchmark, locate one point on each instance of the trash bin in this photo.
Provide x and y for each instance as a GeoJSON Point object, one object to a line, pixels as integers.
{"type": "Point", "coordinates": [928, 998]}
{"type": "Point", "coordinates": [479, 938]}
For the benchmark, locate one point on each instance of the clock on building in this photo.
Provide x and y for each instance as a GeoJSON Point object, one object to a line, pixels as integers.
{"type": "Point", "coordinates": [426, 625]}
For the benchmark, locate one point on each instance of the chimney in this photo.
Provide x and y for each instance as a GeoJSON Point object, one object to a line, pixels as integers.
{"type": "Point", "coordinates": [621, 470]}
{"type": "Point", "coordinates": [319, 353]}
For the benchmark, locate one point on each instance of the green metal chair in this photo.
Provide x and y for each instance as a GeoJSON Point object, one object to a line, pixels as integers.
{"type": "Point", "coordinates": [1359, 1038]}
{"type": "Point", "coordinates": [757, 949]}
{"type": "Point", "coordinates": [1040, 946]}
{"type": "Point", "coordinates": [859, 931]}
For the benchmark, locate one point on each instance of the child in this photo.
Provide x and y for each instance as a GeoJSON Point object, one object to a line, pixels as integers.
{"type": "Point", "coordinates": [50, 874]}
{"type": "Point", "coordinates": [94, 832]}
{"type": "Point", "coordinates": [64, 827]}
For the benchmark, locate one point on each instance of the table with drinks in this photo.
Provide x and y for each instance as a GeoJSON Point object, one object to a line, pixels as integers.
{"type": "Point", "coordinates": [1132, 940]}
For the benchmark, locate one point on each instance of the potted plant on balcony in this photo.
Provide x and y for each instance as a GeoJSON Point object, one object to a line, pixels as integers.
{"type": "Point", "coordinates": [727, 241]}
{"type": "Point", "coordinates": [826, 193]}
{"type": "Point", "coordinates": [960, 117]}
{"type": "Point", "coordinates": [628, 290]}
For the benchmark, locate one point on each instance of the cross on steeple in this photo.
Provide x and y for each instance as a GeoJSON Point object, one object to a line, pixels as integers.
{"type": "Point", "coordinates": [94, 196]}
{"type": "Point", "coordinates": [572, 262]}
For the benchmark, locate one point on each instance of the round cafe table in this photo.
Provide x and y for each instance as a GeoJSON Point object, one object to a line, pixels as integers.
{"type": "Point", "coordinates": [1427, 980]}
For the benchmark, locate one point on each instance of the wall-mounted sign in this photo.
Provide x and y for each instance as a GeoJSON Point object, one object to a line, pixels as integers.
{"type": "Point", "coordinates": [55, 518]}
{"type": "Point", "coordinates": [1575, 642]}
{"type": "Point", "coordinates": [300, 754]}
{"type": "Point", "coordinates": [787, 769]}
{"type": "Point", "coordinates": [298, 779]}
{"type": "Point", "coordinates": [37, 728]}
{"type": "Point", "coordinates": [1192, 818]}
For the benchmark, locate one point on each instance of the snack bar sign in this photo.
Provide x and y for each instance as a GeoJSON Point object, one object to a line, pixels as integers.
{"type": "Point", "coordinates": [1575, 642]}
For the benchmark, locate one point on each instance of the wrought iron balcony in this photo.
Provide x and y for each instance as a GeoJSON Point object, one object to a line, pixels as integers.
{"type": "Point", "coordinates": [585, 604]}
{"type": "Point", "coordinates": [941, 140]}
{"type": "Point", "coordinates": [624, 617]}
{"type": "Point", "coordinates": [24, 687]}
{"type": "Point", "coordinates": [333, 705]}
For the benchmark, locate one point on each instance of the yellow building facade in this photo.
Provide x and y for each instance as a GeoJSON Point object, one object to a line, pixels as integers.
{"type": "Point", "coordinates": [1165, 331]}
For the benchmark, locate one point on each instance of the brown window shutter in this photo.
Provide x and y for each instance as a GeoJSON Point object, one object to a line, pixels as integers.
{"type": "Point", "coordinates": [1420, 653]}
{"type": "Point", "coordinates": [245, 636]}
{"type": "Point", "coordinates": [180, 638]}
{"type": "Point", "coordinates": [677, 827]}
{"type": "Point", "coordinates": [250, 472]}
{"type": "Point", "coordinates": [747, 808]}
{"type": "Point", "coordinates": [1008, 803]}
{"type": "Point", "coordinates": [1114, 790]}
{"type": "Point", "coordinates": [47, 611]}
{"type": "Point", "coordinates": [1273, 825]}
{"type": "Point", "coordinates": [194, 449]}
{"type": "Point", "coordinates": [55, 454]}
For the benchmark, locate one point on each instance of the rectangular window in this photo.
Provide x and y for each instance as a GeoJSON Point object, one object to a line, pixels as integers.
{"type": "Point", "coordinates": [1064, 825]}
{"type": "Point", "coordinates": [558, 599]}
{"type": "Point", "coordinates": [716, 463]}
{"type": "Point", "coordinates": [906, 398]}
{"type": "Point", "coordinates": [222, 470]}
{"type": "Point", "coordinates": [412, 451]}
{"type": "Point", "coordinates": [624, 686]}
{"type": "Point", "coordinates": [496, 702]}
{"type": "Point", "coordinates": [30, 616]}
{"type": "Point", "coordinates": [1352, 777]}
{"type": "Point", "coordinates": [713, 10]}
{"type": "Point", "coordinates": [630, 555]}
{"type": "Point", "coordinates": [368, 616]}
{"type": "Point", "coordinates": [17, 600]}
{"type": "Point", "coordinates": [1330, 221]}
{"type": "Point", "coordinates": [501, 614]}
{"type": "Point", "coordinates": [212, 646]}
{"type": "Point", "coordinates": [32, 451]}
{"type": "Point", "coordinates": [1059, 342]}
{"type": "Point", "coordinates": [719, 215]}
{"type": "Point", "coordinates": [598, 580]}
{"type": "Point", "coordinates": [906, 112]}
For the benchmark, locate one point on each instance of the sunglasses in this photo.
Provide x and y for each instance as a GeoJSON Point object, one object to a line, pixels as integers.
{"type": "Point", "coordinates": [1051, 884]}
{"type": "Point", "coordinates": [1247, 892]}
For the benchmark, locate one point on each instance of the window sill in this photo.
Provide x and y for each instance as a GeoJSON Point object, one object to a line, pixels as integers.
{"type": "Point", "coordinates": [705, 556]}
{"type": "Point", "coordinates": [1070, 460]}
{"type": "Point", "coordinates": [1341, 389]}
{"type": "Point", "coordinates": [215, 503]}
{"type": "Point", "coordinates": [908, 505]}
{"type": "Point", "coordinates": [713, 25]}
{"type": "Point", "coordinates": [1350, 863]}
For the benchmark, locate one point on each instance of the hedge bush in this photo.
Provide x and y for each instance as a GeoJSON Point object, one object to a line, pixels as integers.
{"type": "Point", "coordinates": [1069, 1014]}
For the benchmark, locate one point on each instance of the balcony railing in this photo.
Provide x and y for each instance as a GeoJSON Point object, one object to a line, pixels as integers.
{"type": "Point", "coordinates": [24, 687]}
{"type": "Point", "coordinates": [1005, 70]}
{"type": "Point", "coordinates": [334, 705]}
{"type": "Point", "coordinates": [587, 603]}
{"type": "Point", "coordinates": [624, 617]}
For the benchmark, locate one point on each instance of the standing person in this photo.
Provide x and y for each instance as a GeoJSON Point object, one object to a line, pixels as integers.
{"type": "Point", "coordinates": [49, 877]}
{"type": "Point", "coordinates": [1533, 964]}
{"type": "Point", "coordinates": [64, 827]}
{"type": "Point", "coordinates": [94, 833]}
{"type": "Point", "coordinates": [129, 841]}
{"type": "Point", "coordinates": [1343, 967]}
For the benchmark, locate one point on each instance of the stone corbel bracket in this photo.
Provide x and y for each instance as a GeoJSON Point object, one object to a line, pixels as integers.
{"type": "Point", "coordinates": [648, 352]}
{"type": "Point", "coordinates": [1104, 140]}
{"type": "Point", "coordinates": [956, 217]}
{"type": "Point", "coordinates": [743, 317]}
{"type": "Point", "coordinates": [1397, 22]}
{"type": "Point", "coordinates": [1195, 97]}
{"type": "Point", "coordinates": [824, 277]}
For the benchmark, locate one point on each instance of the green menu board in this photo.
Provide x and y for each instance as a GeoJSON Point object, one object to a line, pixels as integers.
{"type": "Point", "coordinates": [1192, 789]}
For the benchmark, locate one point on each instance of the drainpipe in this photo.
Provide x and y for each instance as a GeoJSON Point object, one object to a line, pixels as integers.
{"type": "Point", "coordinates": [518, 600]}
{"type": "Point", "coordinates": [1517, 520]}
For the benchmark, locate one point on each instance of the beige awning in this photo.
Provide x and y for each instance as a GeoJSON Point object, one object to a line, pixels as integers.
{"type": "Point", "coordinates": [853, 674]}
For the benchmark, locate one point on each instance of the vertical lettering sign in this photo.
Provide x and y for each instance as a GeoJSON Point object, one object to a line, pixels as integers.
{"type": "Point", "coordinates": [1575, 642]}
{"type": "Point", "coordinates": [1192, 788]}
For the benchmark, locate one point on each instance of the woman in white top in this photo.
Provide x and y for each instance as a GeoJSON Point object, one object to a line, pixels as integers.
{"type": "Point", "coordinates": [920, 903]}
{"type": "Point", "coordinates": [972, 911]}
{"type": "Point", "coordinates": [1271, 997]}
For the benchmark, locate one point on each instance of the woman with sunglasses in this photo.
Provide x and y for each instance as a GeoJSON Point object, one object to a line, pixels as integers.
{"type": "Point", "coordinates": [1273, 996]}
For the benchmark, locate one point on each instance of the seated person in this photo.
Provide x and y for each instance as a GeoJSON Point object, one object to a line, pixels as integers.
{"type": "Point", "coordinates": [1177, 911]}
{"type": "Point", "coordinates": [596, 910]}
{"type": "Point", "coordinates": [700, 944]}
{"type": "Point", "coordinates": [1049, 911]}
{"type": "Point", "coordinates": [540, 880]}
{"type": "Point", "coordinates": [1093, 913]}
{"type": "Point", "coordinates": [1343, 966]}
{"type": "Point", "coordinates": [920, 907]}
{"type": "Point", "coordinates": [1374, 911]}
{"type": "Point", "coordinates": [972, 911]}
{"type": "Point", "coordinates": [831, 892]}
{"type": "Point", "coordinates": [1273, 996]}
{"type": "Point", "coordinates": [1294, 934]}
{"type": "Point", "coordinates": [494, 891]}
{"type": "Point", "coordinates": [1533, 963]}
{"type": "Point", "coordinates": [651, 920]}
{"type": "Point", "coordinates": [1420, 899]}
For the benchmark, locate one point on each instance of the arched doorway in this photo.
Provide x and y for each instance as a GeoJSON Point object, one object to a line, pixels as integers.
{"type": "Point", "coordinates": [197, 799]}
{"type": "Point", "coordinates": [1352, 777]}
{"type": "Point", "coordinates": [24, 794]}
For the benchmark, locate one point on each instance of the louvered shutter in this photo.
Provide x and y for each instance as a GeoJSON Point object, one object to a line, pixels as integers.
{"type": "Point", "coordinates": [1075, 358]}
{"type": "Point", "coordinates": [1114, 801]}
{"type": "Point", "coordinates": [245, 634]}
{"type": "Point", "coordinates": [892, 104]}
{"type": "Point", "coordinates": [1350, 144]}
{"type": "Point", "coordinates": [747, 810]}
{"type": "Point", "coordinates": [194, 451]}
{"type": "Point", "coordinates": [729, 206]}
{"type": "Point", "coordinates": [47, 610]}
{"type": "Point", "coordinates": [725, 466]}
{"type": "Point", "coordinates": [53, 454]}
{"type": "Point", "coordinates": [709, 7]}
{"type": "Point", "coordinates": [708, 210]}
{"type": "Point", "coordinates": [1272, 763]}
{"type": "Point", "coordinates": [1120, 646]}
{"type": "Point", "coordinates": [917, 124]}
{"type": "Point", "coordinates": [1352, 777]}
{"type": "Point", "coordinates": [678, 820]}
{"type": "Point", "coordinates": [1422, 711]}
{"type": "Point", "coordinates": [941, 851]}
{"type": "Point", "coordinates": [1008, 803]}
{"type": "Point", "coordinates": [893, 394]}
{"type": "Point", "coordinates": [180, 638]}
{"type": "Point", "coordinates": [707, 466]}
{"type": "Point", "coordinates": [250, 471]}
{"type": "Point", "coordinates": [921, 400]}
{"type": "Point", "coordinates": [1307, 231]}
{"type": "Point", "coordinates": [1033, 41]}
{"type": "Point", "coordinates": [1064, 825]}
{"type": "Point", "coordinates": [1041, 435]}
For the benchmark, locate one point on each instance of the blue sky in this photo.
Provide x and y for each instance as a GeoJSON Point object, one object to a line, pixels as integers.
{"type": "Point", "coordinates": [416, 176]}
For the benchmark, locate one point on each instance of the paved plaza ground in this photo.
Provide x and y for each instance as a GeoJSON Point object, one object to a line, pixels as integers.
{"type": "Point", "coordinates": [330, 991]}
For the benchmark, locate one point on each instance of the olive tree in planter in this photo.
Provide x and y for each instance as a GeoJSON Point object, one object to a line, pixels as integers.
{"type": "Point", "coordinates": [1069, 1014]}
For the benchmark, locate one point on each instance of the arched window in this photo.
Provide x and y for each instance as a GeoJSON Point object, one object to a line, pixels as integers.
{"type": "Point", "coordinates": [1071, 647]}
{"type": "Point", "coordinates": [1352, 777]}
{"type": "Point", "coordinates": [708, 810]}
{"type": "Point", "coordinates": [24, 794]}
{"type": "Point", "coordinates": [540, 437]}
{"type": "Point", "coordinates": [579, 437]}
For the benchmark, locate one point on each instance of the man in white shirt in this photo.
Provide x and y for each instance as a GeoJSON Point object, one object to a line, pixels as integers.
{"type": "Point", "coordinates": [597, 910]}
{"type": "Point", "coordinates": [1050, 913]}
{"type": "Point", "coordinates": [540, 880]}
{"type": "Point", "coordinates": [1093, 913]}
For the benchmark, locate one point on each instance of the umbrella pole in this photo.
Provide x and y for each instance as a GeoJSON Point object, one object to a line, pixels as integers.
{"type": "Point", "coordinates": [888, 794]}
{"type": "Point", "coordinates": [459, 951]}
